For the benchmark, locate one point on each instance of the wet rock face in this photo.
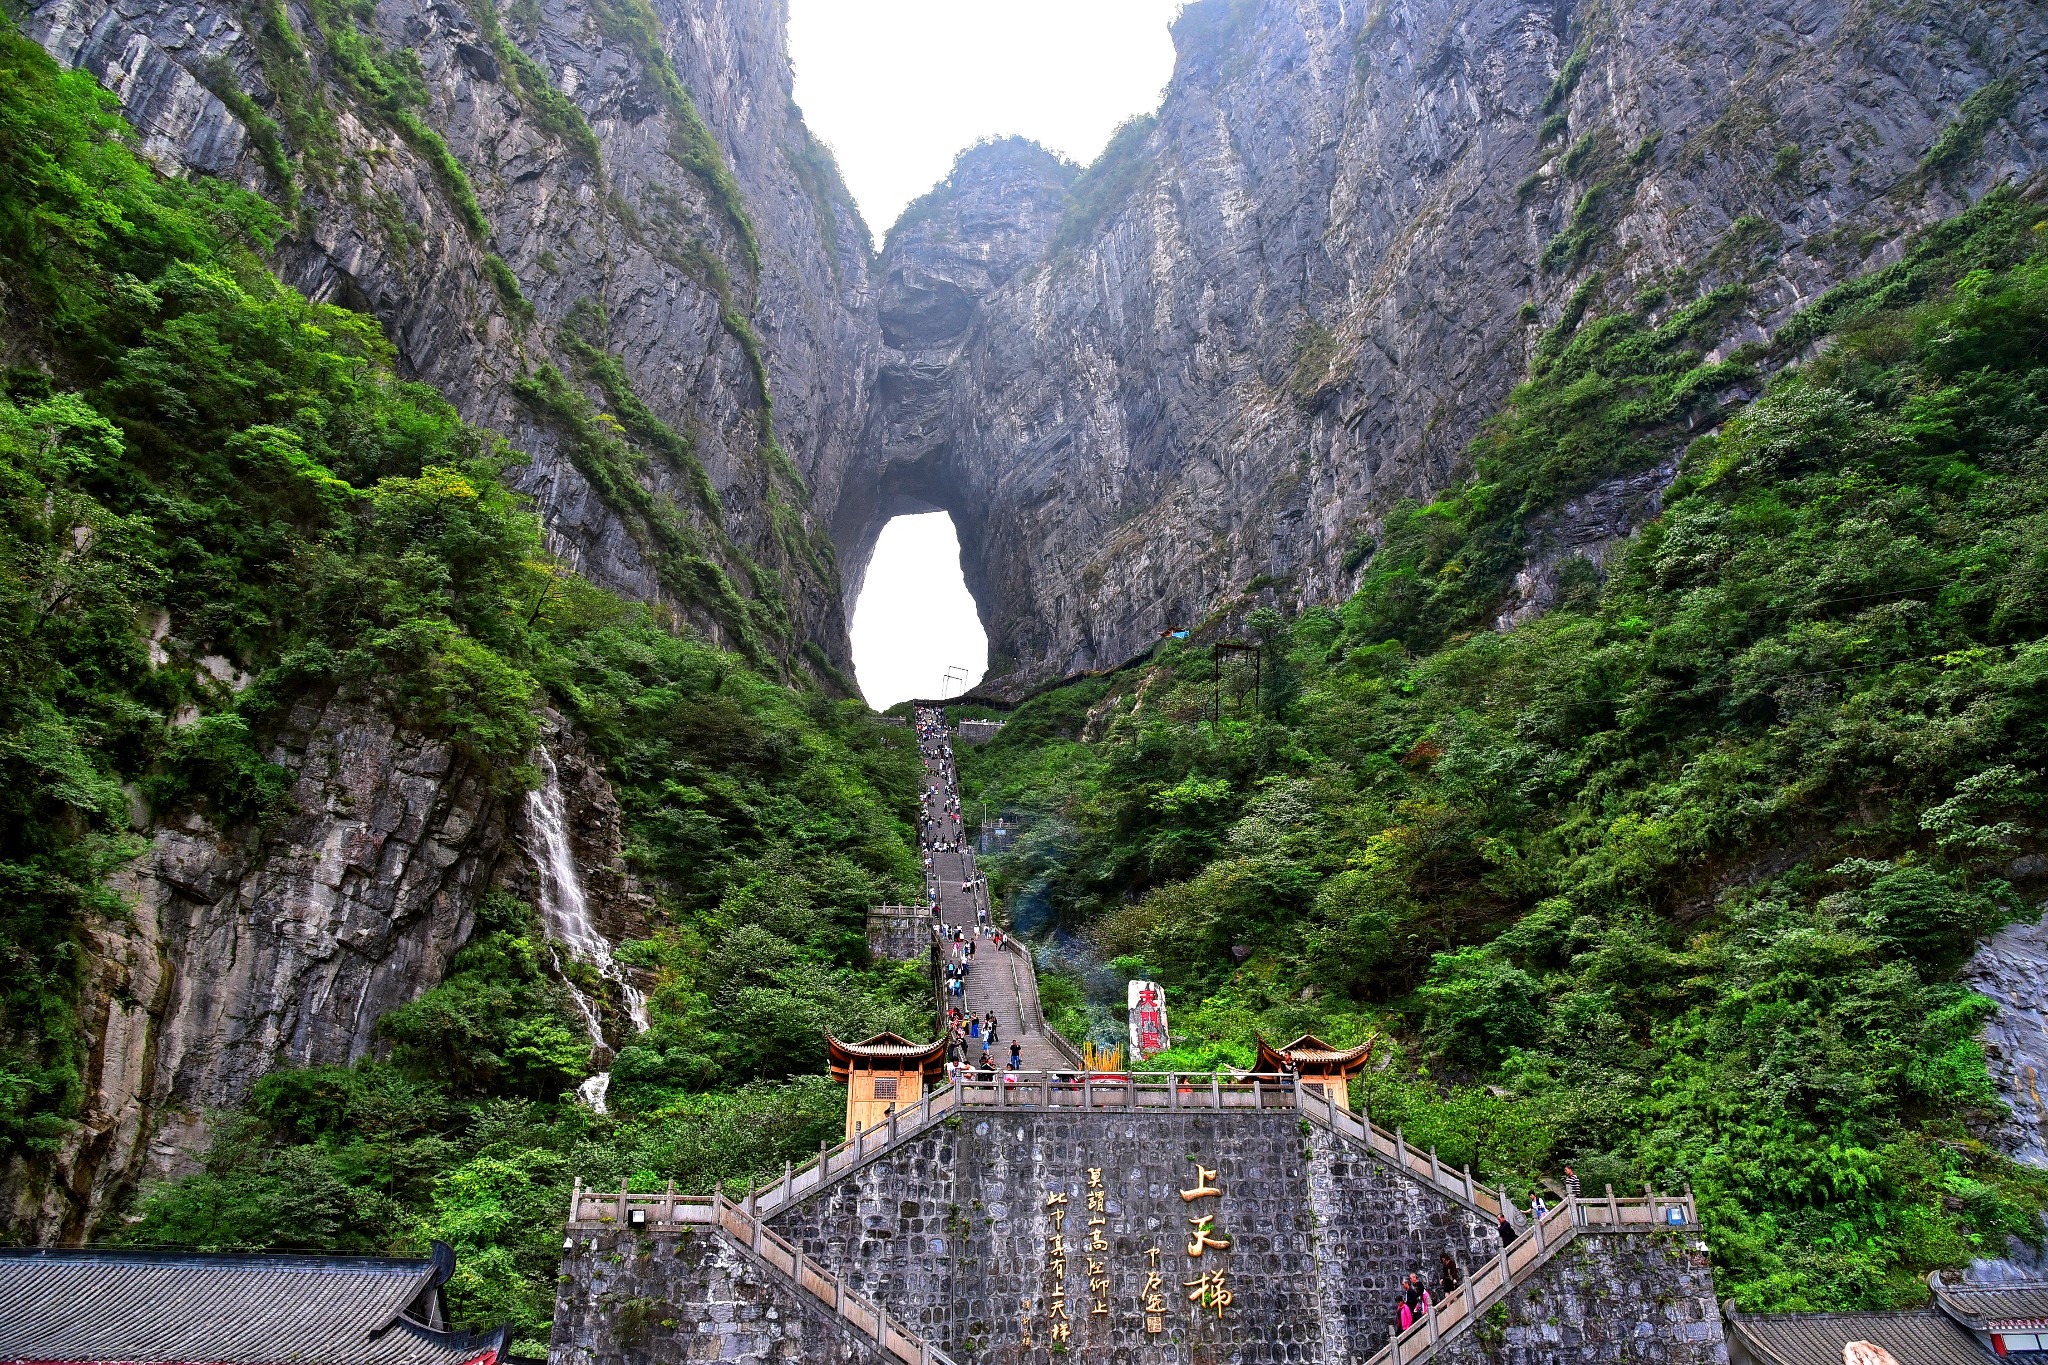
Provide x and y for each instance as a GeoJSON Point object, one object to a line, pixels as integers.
{"type": "Point", "coordinates": [633, 237]}
{"type": "Point", "coordinates": [1309, 289]}
{"type": "Point", "coordinates": [250, 950]}
{"type": "Point", "coordinates": [2011, 967]}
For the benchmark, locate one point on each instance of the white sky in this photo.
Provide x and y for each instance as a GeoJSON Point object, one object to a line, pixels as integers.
{"type": "Point", "coordinates": [897, 88]}
{"type": "Point", "coordinates": [914, 619]}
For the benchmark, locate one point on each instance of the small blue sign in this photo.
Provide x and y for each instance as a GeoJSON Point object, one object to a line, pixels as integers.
{"type": "Point", "coordinates": [1675, 1217]}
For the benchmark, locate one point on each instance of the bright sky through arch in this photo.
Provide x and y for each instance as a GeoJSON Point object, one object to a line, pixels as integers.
{"type": "Point", "coordinates": [915, 618]}
{"type": "Point", "coordinates": [899, 87]}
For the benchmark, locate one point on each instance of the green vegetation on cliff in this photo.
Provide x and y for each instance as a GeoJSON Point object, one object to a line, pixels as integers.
{"type": "Point", "coordinates": [196, 462]}
{"type": "Point", "coordinates": [1673, 882]}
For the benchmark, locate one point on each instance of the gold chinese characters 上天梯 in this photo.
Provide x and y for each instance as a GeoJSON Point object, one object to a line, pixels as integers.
{"type": "Point", "coordinates": [1210, 1289]}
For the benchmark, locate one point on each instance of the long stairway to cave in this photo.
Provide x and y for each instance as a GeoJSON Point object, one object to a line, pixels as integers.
{"type": "Point", "coordinates": [1003, 980]}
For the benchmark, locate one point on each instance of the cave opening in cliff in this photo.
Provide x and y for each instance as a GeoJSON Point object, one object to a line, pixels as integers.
{"type": "Point", "coordinates": [916, 632]}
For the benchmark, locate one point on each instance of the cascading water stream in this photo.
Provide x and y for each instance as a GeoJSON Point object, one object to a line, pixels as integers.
{"type": "Point", "coordinates": [567, 916]}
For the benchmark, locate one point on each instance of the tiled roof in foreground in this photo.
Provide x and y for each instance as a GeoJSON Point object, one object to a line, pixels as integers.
{"type": "Point", "coordinates": [1919, 1336]}
{"type": "Point", "coordinates": [149, 1307]}
{"type": "Point", "coordinates": [1984, 1306]}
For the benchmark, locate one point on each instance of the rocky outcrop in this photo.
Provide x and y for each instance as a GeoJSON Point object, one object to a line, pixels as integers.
{"type": "Point", "coordinates": [1290, 303]}
{"type": "Point", "coordinates": [556, 211]}
{"type": "Point", "coordinates": [2011, 968]}
{"type": "Point", "coordinates": [994, 216]}
{"type": "Point", "coordinates": [281, 944]}
{"type": "Point", "coordinates": [240, 952]}
{"type": "Point", "coordinates": [643, 188]}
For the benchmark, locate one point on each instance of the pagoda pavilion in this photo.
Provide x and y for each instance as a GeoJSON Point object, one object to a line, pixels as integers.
{"type": "Point", "coordinates": [1316, 1063]}
{"type": "Point", "coordinates": [883, 1073]}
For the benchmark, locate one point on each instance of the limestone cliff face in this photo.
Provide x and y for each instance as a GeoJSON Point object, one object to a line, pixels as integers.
{"type": "Point", "coordinates": [1291, 301]}
{"type": "Point", "coordinates": [643, 188]}
{"type": "Point", "coordinates": [556, 210]}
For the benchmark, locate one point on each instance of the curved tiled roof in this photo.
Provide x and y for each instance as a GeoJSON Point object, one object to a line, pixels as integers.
{"type": "Point", "coordinates": [1981, 1305]}
{"type": "Point", "coordinates": [929, 1058]}
{"type": "Point", "coordinates": [1311, 1051]}
{"type": "Point", "coordinates": [143, 1307]}
{"type": "Point", "coordinates": [1918, 1336]}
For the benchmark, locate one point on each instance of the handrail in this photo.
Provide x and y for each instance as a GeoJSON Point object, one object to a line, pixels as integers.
{"type": "Point", "coordinates": [1516, 1262]}
{"type": "Point", "coordinates": [750, 1231]}
{"type": "Point", "coordinates": [1321, 1107]}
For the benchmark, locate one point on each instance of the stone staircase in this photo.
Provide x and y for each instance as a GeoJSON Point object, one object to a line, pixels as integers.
{"type": "Point", "coordinates": [1158, 1093]}
{"type": "Point", "coordinates": [1005, 980]}
{"type": "Point", "coordinates": [746, 1229]}
{"type": "Point", "coordinates": [1496, 1279]}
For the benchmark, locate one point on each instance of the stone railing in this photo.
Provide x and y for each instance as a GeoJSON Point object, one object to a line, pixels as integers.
{"type": "Point", "coordinates": [1491, 1283]}
{"type": "Point", "coordinates": [744, 1225]}
{"type": "Point", "coordinates": [1034, 1013]}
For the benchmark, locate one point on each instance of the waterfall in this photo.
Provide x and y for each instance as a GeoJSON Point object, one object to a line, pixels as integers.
{"type": "Point", "coordinates": [567, 916]}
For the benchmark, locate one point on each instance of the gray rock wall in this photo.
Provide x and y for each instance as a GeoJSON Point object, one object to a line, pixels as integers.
{"type": "Point", "coordinates": [1303, 291]}
{"type": "Point", "coordinates": [244, 950]}
{"type": "Point", "coordinates": [244, 953]}
{"type": "Point", "coordinates": [252, 949]}
{"type": "Point", "coordinates": [1636, 1296]}
{"type": "Point", "coordinates": [634, 237]}
{"type": "Point", "coordinates": [2011, 967]}
{"type": "Point", "coordinates": [689, 1296]}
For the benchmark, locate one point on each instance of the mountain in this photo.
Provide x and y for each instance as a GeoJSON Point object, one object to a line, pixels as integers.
{"type": "Point", "coordinates": [1291, 299]}
{"type": "Point", "coordinates": [454, 455]}
{"type": "Point", "coordinates": [604, 235]}
{"type": "Point", "coordinates": [611, 198]}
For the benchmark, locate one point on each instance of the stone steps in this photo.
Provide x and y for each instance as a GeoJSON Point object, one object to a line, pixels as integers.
{"type": "Point", "coordinates": [747, 1230]}
{"type": "Point", "coordinates": [1003, 980]}
{"type": "Point", "coordinates": [1520, 1260]}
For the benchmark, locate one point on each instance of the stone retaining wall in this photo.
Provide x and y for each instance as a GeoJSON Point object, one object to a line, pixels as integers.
{"type": "Point", "coordinates": [899, 933]}
{"type": "Point", "coordinates": [1609, 1296]}
{"type": "Point", "coordinates": [689, 1294]}
{"type": "Point", "coordinates": [1376, 1225]}
{"type": "Point", "coordinates": [952, 1231]}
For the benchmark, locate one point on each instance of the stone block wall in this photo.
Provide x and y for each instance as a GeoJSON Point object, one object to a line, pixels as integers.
{"type": "Point", "coordinates": [1609, 1296]}
{"type": "Point", "coordinates": [1374, 1226]}
{"type": "Point", "coordinates": [689, 1295]}
{"type": "Point", "coordinates": [899, 933]}
{"type": "Point", "coordinates": [952, 1230]}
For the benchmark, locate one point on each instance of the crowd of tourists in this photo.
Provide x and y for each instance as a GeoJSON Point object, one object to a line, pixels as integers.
{"type": "Point", "coordinates": [1415, 1300]}
{"type": "Point", "coordinates": [974, 1040]}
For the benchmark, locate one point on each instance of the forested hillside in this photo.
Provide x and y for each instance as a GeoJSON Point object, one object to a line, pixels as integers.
{"type": "Point", "coordinates": [1673, 882]}
{"type": "Point", "coordinates": [197, 464]}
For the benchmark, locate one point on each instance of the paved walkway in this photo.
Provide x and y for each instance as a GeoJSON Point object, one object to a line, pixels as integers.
{"type": "Point", "coordinates": [1002, 980]}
